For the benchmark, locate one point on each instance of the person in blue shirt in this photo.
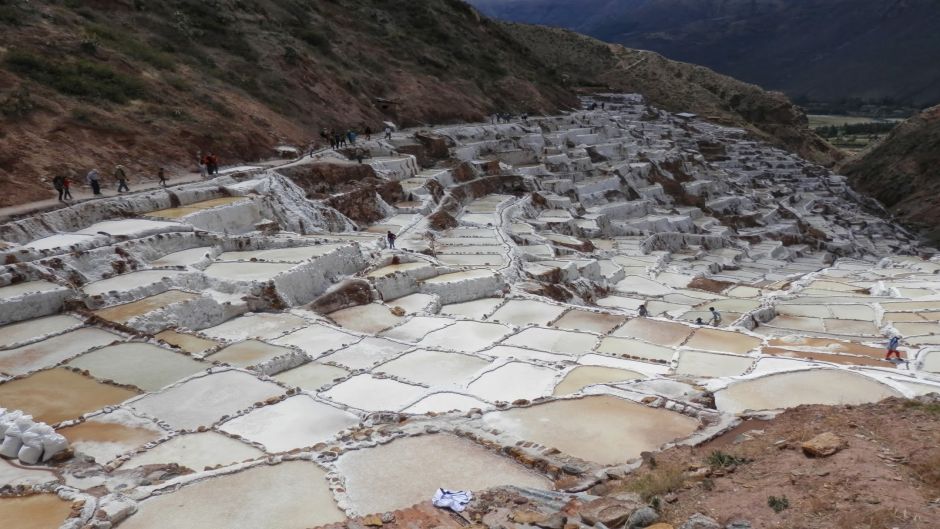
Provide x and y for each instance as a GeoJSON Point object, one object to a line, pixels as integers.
{"type": "Point", "coordinates": [893, 344]}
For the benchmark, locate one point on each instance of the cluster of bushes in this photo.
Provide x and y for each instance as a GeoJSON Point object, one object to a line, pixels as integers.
{"type": "Point", "coordinates": [873, 128]}
{"type": "Point", "coordinates": [81, 77]}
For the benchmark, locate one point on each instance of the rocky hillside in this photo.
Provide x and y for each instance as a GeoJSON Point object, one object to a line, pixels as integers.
{"type": "Point", "coordinates": [903, 172]}
{"type": "Point", "coordinates": [822, 49]}
{"type": "Point", "coordinates": [676, 86]}
{"type": "Point", "coordinates": [108, 81]}
{"type": "Point", "coordinates": [101, 82]}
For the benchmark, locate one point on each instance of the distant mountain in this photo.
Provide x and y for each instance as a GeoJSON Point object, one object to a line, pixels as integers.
{"type": "Point", "coordinates": [824, 50]}
{"type": "Point", "coordinates": [903, 172]}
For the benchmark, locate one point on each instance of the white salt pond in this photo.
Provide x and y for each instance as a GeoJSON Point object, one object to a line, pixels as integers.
{"type": "Point", "coordinates": [289, 495]}
{"type": "Point", "coordinates": [655, 331]}
{"type": "Point", "coordinates": [27, 287]}
{"type": "Point", "coordinates": [248, 271]}
{"type": "Point", "coordinates": [32, 330]}
{"type": "Point", "coordinates": [369, 319]}
{"type": "Point", "coordinates": [137, 227]}
{"type": "Point", "coordinates": [185, 257]}
{"type": "Point", "coordinates": [129, 281]}
{"type": "Point", "coordinates": [466, 336]}
{"type": "Point", "coordinates": [62, 240]}
{"type": "Point", "coordinates": [433, 368]}
{"type": "Point", "coordinates": [122, 363]}
{"type": "Point", "coordinates": [366, 353]}
{"type": "Point", "coordinates": [554, 341]}
{"type": "Point", "coordinates": [248, 353]}
{"type": "Point", "coordinates": [196, 451]}
{"type": "Point", "coordinates": [603, 429]}
{"type": "Point", "coordinates": [204, 400]}
{"type": "Point", "coordinates": [297, 254]}
{"type": "Point", "coordinates": [416, 328]}
{"type": "Point", "coordinates": [523, 312]}
{"type": "Point", "coordinates": [186, 342]}
{"type": "Point", "coordinates": [128, 311]}
{"type": "Point", "coordinates": [51, 351]}
{"type": "Point", "coordinates": [635, 349]}
{"type": "Point", "coordinates": [514, 381]}
{"type": "Point", "coordinates": [38, 511]}
{"type": "Point", "coordinates": [582, 320]}
{"type": "Point", "coordinates": [476, 309]}
{"type": "Point", "coordinates": [317, 339]}
{"type": "Point", "coordinates": [445, 402]}
{"type": "Point", "coordinates": [261, 325]}
{"type": "Point", "coordinates": [403, 267]}
{"type": "Point", "coordinates": [701, 363]}
{"type": "Point", "coordinates": [417, 466]}
{"type": "Point", "coordinates": [58, 394]}
{"type": "Point", "coordinates": [369, 393]}
{"type": "Point", "coordinates": [311, 376]}
{"type": "Point", "coordinates": [296, 422]}
{"type": "Point", "coordinates": [788, 390]}
{"type": "Point", "coordinates": [726, 341]}
{"type": "Point", "coordinates": [583, 376]}
{"type": "Point", "coordinates": [106, 436]}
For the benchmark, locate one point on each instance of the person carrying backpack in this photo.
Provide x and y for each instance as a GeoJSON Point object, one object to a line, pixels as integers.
{"type": "Point", "coordinates": [121, 175]}
{"type": "Point", "coordinates": [67, 187]}
{"type": "Point", "coordinates": [59, 184]}
{"type": "Point", "coordinates": [93, 179]}
{"type": "Point", "coordinates": [893, 344]}
{"type": "Point", "coordinates": [391, 240]}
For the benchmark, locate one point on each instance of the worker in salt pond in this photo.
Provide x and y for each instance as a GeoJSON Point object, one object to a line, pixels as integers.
{"type": "Point", "coordinates": [716, 316]}
{"type": "Point", "coordinates": [391, 239]}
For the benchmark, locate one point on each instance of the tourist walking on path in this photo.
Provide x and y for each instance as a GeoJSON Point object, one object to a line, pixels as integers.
{"type": "Point", "coordinates": [388, 133]}
{"type": "Point", "coordinates": [203, 162]}
{"type": "Point", "coordinates": [716, 316]}
{"type": "Point", "coordinates": [368, 131]}
{"type": "Point", "coordinates": [391, 240]}
{"type": "Point", "coordinates": [93, 179]}
{"type": "Point", "coordinates": [893, 344]}
{"type": "Point", "coordinates": [352, 137]}
{"type": "Point", "coordinates": [643, 311]}
{"type": "Point", "coordinates": [121, 175]}
{"type": "Point", "coordinates": [67, 187]}
{"type": "Point", "coordinates": [58, 182]}
{"type": "Point", "coordinates": [161, 174]}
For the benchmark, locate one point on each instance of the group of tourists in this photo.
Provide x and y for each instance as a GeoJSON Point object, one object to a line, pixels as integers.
{"type": "Point", "coordinates": [208, 164]}
{"type": "Point", "coordinates": [62, 183]}
{"type": "Point", "coordinates": [337, 139]}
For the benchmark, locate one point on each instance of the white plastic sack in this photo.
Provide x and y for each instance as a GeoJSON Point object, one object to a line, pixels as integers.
{"type": "Point", "coordinates": [455, 500]}
{"type": "Point", "coordinates": [31, 450]}
{"type": "Point", "coordinates": [11, 441]}
{"type": "Point", "coordinates": [7, 420]}
{"type": "Point", "coordinates": [53, 444]}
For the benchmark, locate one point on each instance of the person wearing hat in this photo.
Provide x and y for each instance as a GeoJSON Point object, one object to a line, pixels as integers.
{"type": "Point", "coordinates": [121, 175]}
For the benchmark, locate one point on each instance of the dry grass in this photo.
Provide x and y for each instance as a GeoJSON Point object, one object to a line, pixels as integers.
{"type": "Point", "coordinates": [658, 481]}
{"type": "Point", "coordinates": [877, 519]}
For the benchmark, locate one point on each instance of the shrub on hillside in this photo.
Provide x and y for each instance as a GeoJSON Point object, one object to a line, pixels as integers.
{"type": "Point", "coordinates": [81, 78]}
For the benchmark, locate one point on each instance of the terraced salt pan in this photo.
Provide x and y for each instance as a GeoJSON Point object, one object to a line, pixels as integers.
{"type": "Point", "coordinates": [260, 325]}
{"type": "Point", "coordinates": [554, 341]}
{"type": "Point", "coordinates": [583, 376]}
{"type": "Point", "coordinates": [129, 281]}
{"type": "Point", "coordinates": [104, 437]}
{"type": "Point", "coordinates": [196, 451]}
{"type": "Point", "coordinates": [289, 495]}
{"type": "Point", "coordinates": [457, 277]}
{"type": "Point", "coordinates": [13, 476]}
{"type": "Point", "coordinates": [32, 330]}
{"type": "Point", "coordinates": [317, 339]}
{"type": "Point", "coordinates": [128, 311]}
{"type": "Point", "coordinates": [433, 368]}
{"type": "Point", "coordinates": [58, 394]}
{"type": "Point", "coordinates": [413, 303]}
{"type": "Point", "coordinates": [465, 336]}
{"type": "Point", "coordinates": [311, 376]}
{"type": "Point", "coordinates": [248, 353]}
{"type": "Point", "coordinates": [618, 430]}
{"type": "Point", "coordinates": [185, 257]}
{"type": "Point", "coordinates": [134, 227]}
{"type": "Point", "coordinates": [27, 287]}
{"type": "Point", "coordinates": [296, 422]}
{"type": "Point", "coordinates": [701, 363]}
{"type": "Point", "coordinates": [297, 254]}
{"type": "Point", "coordinates": [398, 268]}
{"type": "Point", "coordinates": [480, 260]}
{"type": "Point", "coordinates": [38, 511]}
{"type": "Point", "coordinates": [445, 402]}
{"type": "Point", "coordinates": [369, 393]}
{"type": "Point", "coordinates": [518, 353]}
{"type": "Point", "coordinates": [474, 310]}
{"type": "Point", "coordinates": [366, 353]}
{"type": "Point", "coordinates": [787, 390]}
{"type": "Point", "coordinates": [524, 312]}
{"type": "Point", "coordinates": [368, 319]}
{"type": "Point", "coordinates": [204, 400]}
{"type": "Point", "coordinates": [655, 331]}
{"type": "Point", "coordinates": [642, 286]}
{"type": "Point", "coordinates": [231, 271]}
{"type": "Point", "coordinates": [514, 381]}
{"type": "Point", "coordinates": [582, 320]}
{"type": "Point", "coordinates": [122, 363]}
{"type": "Point", "coordinates": [61, 240]}
{"type": "Point", "coordinates": [722, 341]}
{"type": "Point", "coordinates": [187, 342]}
{"type": "Point", "coordinates": [417, 465]}
{"type": "Point", "coordinates": [627, 347]}
{"type": "Point", "coordinates": [931, 362]}
{"type": "Point", "coordinates": [51, 351]}
{"type": "Point", "coordinates": [182, 211]}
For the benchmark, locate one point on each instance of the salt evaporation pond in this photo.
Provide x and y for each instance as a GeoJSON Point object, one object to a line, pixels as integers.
{"type": "Point", "coordinates": [369, 393]}
{"type": "Point", "coordinates": [289, 495]}
{"type": "Point", "coordinates": [246, 271]}
{"type": "Point", "coordinates": [128, 311]}
{"type": "Point", "coordinates": [445, 402]}
{"type": "Point", "coordinates": [261, 325]}
{"type": "Point", "coordinates": [407, 471]}
{"type": "Point", "coordinates": [513, 381]}
{"type": "Point", "coordinates": [296, 422]}
{"type": "Point", "coordinates": [523, 312]}
{"type": "Point", "coordinates": [603, 429]}
{"type": "Point", "coordinates": [30, 330]}
{"type": "Point", "coordinates": [122, 364]}
{"type": "Point", "coordinates": [185, 257]}
{"type": "Point", "coordinates": [248, 353]}
{"type": "Point", "coordinates": [369, 319]}
{"type": "Point", "coordinates": [311, 376]}
{"type": "Point", "coordinates": [196, 451]}
{"type": "Point", "coordinates": [51, 351]}
{"type": "Point", "coordinates": [583, 376]}
{"type": "Point", "coordinates": [433, 368]}
{"type": "Point", "coordinates": [366, 353]}
{"type": "Point", "coordinates": [466, 336]}
{"type": "Point", "coordinates": [58, 394]}
{"type": "Point", "coordinates": [104, 437]}
{"type": "Point", "coordinates": [38, 511]}
{"type": "Point", "coordinates": [787, 390]}
{"type": "Point", "coordinates": [582, 320]}
{"type": "Point", "coordinates": [129, 281]}
{"type": "Point", "coordinates": [555, 341]}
